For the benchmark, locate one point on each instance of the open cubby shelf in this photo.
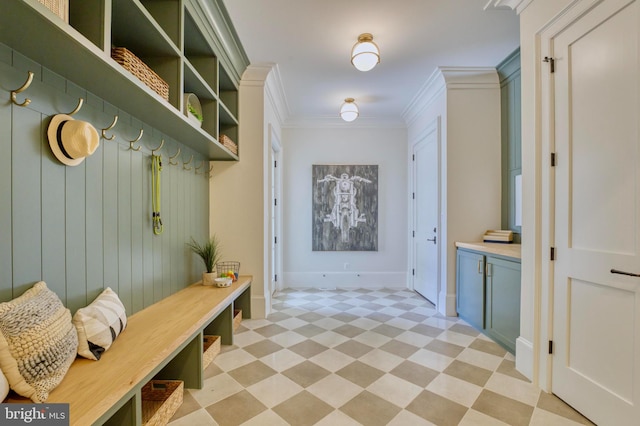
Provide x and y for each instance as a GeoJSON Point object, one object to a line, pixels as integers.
{"type": "Point", "coordinates": [177, 39]}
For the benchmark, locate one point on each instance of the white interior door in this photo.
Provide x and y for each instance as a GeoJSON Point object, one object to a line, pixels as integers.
{"type": "Point", "coordinates": [596, 312]}
{"type": "Point", "coordinates": [426, 211]}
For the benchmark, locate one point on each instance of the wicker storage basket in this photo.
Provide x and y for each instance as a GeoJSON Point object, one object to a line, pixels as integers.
{"type": "Point", "coordinates": [224, 267]}
{"type": "Point", "coordinates": [228, 143]}
{"type": "Point", "coordinates": [135, 66]}
{"type": "Point", "coordinates": [160, 401]}
{"type": "Point", "coordinates": [59, 7]}
{"type": "Point", "coordinates": [237, 318]}
{"type": "Point", "coordinates": [211, 348]}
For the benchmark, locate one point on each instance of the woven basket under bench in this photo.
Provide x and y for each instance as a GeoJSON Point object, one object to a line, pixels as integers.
{"type": "Point", "coordinates": [135, 66]}
{"type": "Point", "coordinates": [160, 401]}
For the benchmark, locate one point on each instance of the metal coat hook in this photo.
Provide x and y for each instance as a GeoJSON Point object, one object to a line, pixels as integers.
{"type": "Point", "coordinates": [80, 102]}
{"type": "Point", "coordinates": [136, 140]}
{"type": "Point", "coordinates": [22, 88]}
{"type": "Point", "coordinates": [174, 157]}
{"type": "Point", "coordinates": [104, 131]}
{"type": "Point", "coordinates": [199, 167]}
{"type": "Point", "coordinates": [209, 172]}
{"type": "Point", "coordinates": [184, 165]}
{"type": "Point", "coordinates": [153, 151]}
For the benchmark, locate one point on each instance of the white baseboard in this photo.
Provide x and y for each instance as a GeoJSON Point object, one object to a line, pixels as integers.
{"type": "Point", "coordinates": [524, 357]}
{"type": "Point", "coordinates": [345, 280]}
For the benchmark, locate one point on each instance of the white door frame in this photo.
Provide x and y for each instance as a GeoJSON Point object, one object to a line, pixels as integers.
{"type": "Point", "coordinates": [275, 192]}
{"type": "Point", "coordinates": [432, 127]}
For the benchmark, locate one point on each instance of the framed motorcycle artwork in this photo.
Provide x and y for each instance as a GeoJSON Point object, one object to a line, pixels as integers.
{"type": "Point", "coordinates": [345, 207]}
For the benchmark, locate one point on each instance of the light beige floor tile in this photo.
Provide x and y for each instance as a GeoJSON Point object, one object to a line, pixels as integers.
{"type": "Point", "coordinates": [292, 323]}
{"type": "Point", "coordinates": [330, 339]}
{"type": "Point", "coordinates": [282, 360]}
{"type": "Point", "coordinates": [274, 390]}
{"type": "Point", "coordinates": [332, 360]}
{"type": "Point", "coordinates": [215, 389]}
{"type": "Point", "coordinates": [233, 359]}
{"type": "Point", "coordinates": [372, 339]}
{"type": "Point", "coordinates": [266, 418]}
{"type": "Point", "coordinates": [414, 339]}
{"type": "Point", "coordinates": [255, 323]}
{"type": "Point", "coordinates": [197, 418]}
{"type": "Point", "coordinates": [431, 360]}
{"type": "Point", "coordinates": [392, 311]}
{"type": "Point", "coordinates": [328, 323]}
{"type": "Point", "coordinates": [514, 388]}
{"type": "Point", "coordinates": [247, 338]}
{"type": "Point", "coordinates": [456, 338]}
{"type": "Point", "coordinates": [438, 323]}
{"type": "Point", "coordinates": [381, 360]}
{"type": "Point", "coordinates": [480, 359]}
{"type": "Point", "coordinates": [364, 323]}
{"type": "Point", "coordinates": [407, 418]}
{"type": "Point", "coordinates": [403, 323]}
{"type": "Point", "coordinates": [338, 418]}
{"type": "Point", "coordinates": [395, 390]}
{"type": "Point", "coordinates": [287, 339]}
{"type": "Point", "coordinates": [457, 390]}
{"type": "Point", "coordinates": [476, 418]}
{"type": "Point", "coordinates": [335, 390]}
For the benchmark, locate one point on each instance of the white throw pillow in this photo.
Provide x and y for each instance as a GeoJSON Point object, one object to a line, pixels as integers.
{"type": "Point", "coordinates": [99, 324]}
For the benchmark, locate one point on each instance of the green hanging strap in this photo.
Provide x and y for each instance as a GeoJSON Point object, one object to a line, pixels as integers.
{"type": "Point", "coordinates": [156, 168]}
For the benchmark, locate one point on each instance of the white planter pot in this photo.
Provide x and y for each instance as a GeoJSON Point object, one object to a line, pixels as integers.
{"type": "Point", "coordinates": [208, 278]}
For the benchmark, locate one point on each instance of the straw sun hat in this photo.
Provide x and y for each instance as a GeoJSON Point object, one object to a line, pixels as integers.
{"type": "Point", "coordinates": [71, 140]}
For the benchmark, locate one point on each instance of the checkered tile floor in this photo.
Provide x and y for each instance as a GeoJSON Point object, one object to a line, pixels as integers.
{"type": "Point", "coordinates": [365, 357]}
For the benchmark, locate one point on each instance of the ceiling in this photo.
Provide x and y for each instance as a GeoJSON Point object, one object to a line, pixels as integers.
{"type": "Point", "coordinates": [310, 42]}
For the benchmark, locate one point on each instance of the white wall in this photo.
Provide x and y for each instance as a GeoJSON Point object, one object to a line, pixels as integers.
{"type": "Point", "coordinates": [239, 191]}
{"type": "Point", "coordinates": [386, 147]}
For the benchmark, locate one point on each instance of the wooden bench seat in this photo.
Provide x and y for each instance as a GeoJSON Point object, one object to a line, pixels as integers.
{"type": "Point", "coordinates": [163, 341]}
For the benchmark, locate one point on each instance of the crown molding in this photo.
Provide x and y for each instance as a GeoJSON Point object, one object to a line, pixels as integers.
{"type": "Point", "coordinates": [267, 76]}
{"type": "Point", "coordinates": [449, 78]}
{"type": "Point", "coordinates": [517, 5]}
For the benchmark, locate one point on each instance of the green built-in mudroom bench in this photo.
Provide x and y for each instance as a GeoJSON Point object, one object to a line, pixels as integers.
{"type": "Point", "coordinates": [163, 341]}
{"type": "Point", "coordinates": [488, 289]}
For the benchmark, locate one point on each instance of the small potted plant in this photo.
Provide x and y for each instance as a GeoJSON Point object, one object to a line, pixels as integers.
{"type": "Point", "coordinates": [210, 254]}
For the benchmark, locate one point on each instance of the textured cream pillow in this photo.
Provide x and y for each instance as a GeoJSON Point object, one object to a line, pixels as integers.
{"type": "Point", "coordinates": [38, 342]}
{"type": "Point", "coordinates": [99, 324]}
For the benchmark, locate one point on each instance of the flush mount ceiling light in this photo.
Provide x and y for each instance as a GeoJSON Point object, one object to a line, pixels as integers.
{"type": "Point", "coordinates": [349, 110]}
{"type": "Point", "coordinates": [365, 53]}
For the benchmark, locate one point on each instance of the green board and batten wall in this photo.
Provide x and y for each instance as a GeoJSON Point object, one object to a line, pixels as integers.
{"type": "Point", "coordinates": [88, 227]}
{"type": "Point", "coordinates": [509, 74]}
